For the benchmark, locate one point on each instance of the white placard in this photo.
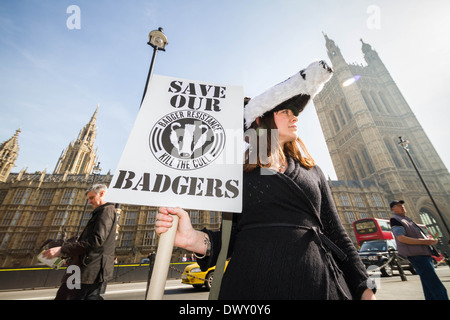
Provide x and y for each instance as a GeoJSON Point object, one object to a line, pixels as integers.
{"type": "Point", "coordinates": [185, 148]}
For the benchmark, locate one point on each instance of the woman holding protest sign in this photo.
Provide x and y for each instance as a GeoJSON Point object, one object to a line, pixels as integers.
{"type": "Point", "coordinates": [288, 242]}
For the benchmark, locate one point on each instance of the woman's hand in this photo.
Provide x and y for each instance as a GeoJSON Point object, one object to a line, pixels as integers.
{"type": "Point", "coordinates": [368, 295]}
{"type": "Point", "coordinates": [186, 236]}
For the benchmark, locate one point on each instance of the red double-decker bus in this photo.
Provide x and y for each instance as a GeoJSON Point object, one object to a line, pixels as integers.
{"type": "Point", "coordinates": [372, 229]}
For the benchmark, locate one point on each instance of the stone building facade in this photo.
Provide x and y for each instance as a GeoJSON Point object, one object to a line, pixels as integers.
{"type": "Point", "coordinates": [38, 206]}
{"type": "Point", "coordinates": [362, 114]}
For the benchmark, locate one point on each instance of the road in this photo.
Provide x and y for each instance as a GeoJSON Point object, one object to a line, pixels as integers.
{"type": "Point", "coordinates": [389, 289]}
{"type": "Point", "coordinates": [174, 290]}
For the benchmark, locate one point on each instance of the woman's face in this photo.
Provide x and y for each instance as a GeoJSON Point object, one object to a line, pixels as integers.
{"type": "Point", "coordinates": [286, 124]}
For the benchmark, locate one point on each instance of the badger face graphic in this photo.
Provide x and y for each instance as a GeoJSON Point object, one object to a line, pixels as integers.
{"type": "Point", "coordinates": [187, 140]}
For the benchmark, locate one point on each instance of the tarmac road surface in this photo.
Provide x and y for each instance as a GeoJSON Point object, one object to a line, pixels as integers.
{"type": "Point", "coordinates": [388, 289]}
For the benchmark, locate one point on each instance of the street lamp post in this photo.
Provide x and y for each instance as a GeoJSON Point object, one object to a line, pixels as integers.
{"type": "Point", "coordinates": [157, 40]}
{"type": "Point", "coordinates": [160, 266]}
{"type": "Point", "coordinates": [405, 145]}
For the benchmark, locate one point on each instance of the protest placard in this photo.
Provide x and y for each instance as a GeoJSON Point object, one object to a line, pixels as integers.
{"type": "Point", "coordinates": [185, 148]}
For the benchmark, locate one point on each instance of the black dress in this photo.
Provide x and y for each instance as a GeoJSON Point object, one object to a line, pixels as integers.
{"type": "Point", "coordinates": [288, 243]}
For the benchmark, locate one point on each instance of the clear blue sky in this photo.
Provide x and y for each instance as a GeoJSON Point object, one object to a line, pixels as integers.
{"type": "Point", "coordinates": [52, 77]}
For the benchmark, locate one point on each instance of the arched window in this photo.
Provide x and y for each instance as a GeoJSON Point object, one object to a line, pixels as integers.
{"type": "Point", "coordinates": [385, 103]}
{"type": "Point", "coordinates": [361, 169]}
{"type": "Point", "coordinates": [340, 115]}
{"type": "Point", "coordinates": [351, 168]}
{"type": "Point", "coordinates": [367, 101]}
{"type": "Point", "coordinates": [415, 157]}
{"type": "Point", "coordinates": [347, 111]}
{"type": "Point", "coordinates": [335, 122]}
{"type": "Point", "coordinates": [376, 102]}
{"type": "Point", "coordinates": [367, 160]}
{"type": "Point", "coordinates": [428, 220]}
{"type": "Point", "coordinates": [392, 153]}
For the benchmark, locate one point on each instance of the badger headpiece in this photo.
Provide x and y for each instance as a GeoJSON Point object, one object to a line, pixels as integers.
{"type": "Point", "coordinates": [293, 93]}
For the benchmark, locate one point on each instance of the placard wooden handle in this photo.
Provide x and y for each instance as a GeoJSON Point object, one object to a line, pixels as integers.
{"type": "Point", "coordinates": [162, 262]}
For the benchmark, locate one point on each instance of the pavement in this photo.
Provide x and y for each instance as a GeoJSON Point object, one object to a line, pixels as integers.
{"type": "Point", "coordinates": [388, 288]}
{"type": "Point", "coordinates": [394, 288]}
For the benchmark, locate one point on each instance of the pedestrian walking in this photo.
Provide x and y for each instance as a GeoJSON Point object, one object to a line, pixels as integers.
{"type": "Point", "coordinates": [93, 252]}
{"type": "Point", "coordinates": [414, 245]}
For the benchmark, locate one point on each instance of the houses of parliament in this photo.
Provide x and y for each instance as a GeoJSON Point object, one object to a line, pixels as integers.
{"type": "Point", "coordinates": [361, 122]}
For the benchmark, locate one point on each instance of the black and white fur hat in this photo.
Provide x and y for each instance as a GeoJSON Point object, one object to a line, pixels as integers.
{"type": "Point", "coordinates": [293, 93]}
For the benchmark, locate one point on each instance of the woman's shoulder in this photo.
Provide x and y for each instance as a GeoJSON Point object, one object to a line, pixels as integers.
{"type": "Point", "coordinates": [315, 170]}
{"type": "Point", "coordinates": [314, 175]}
{"type": "Point", "coordinates": [318, 170]}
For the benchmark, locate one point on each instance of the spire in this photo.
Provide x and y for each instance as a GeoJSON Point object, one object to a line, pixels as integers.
{"type": "Point", "coordinates": [12, 142]}
{"type": "Point", "coordinates": [9, 151]}
{"type": "Point", "coordinates": [94, 116]}
{"type": "Point", "coordinates": [366, 48]}
{"type": "Point", "coordinates": [333, 51]}
{"type": "Point", "coordinates": [80, 155]}
{"type": "Point", "coordinates": [89, 132]}
{"type": "Point", "coordinates": [329, 43]}
{"type": "Point", "coordinates": [370, 55]}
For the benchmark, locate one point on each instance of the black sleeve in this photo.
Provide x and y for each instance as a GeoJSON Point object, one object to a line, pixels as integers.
{"type": "Point", "coordinates": [354, 270]}
{"type": "Point", "coordinates": [216, 244]}
{"type": "Point", "coordinates": [94, 235]}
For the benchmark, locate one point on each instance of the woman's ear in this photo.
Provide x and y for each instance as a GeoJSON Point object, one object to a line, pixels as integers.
{"type": "Point", "coordinates": [258, 121]}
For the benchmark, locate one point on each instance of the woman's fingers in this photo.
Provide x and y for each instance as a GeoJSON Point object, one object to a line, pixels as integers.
{"type": "Point", "coordinates": [186, 236]}
{"type": "Point", "coordinates": [164, 219]}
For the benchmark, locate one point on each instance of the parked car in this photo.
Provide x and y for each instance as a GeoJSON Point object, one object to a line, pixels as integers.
{"type": "Point", "coordinates": [378, 252]}
{"type": "Point", "coordinates": [194, 276]}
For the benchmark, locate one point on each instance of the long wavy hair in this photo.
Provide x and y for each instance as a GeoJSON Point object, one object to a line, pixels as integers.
{"type": "Point", "coordinates": [264, 152]}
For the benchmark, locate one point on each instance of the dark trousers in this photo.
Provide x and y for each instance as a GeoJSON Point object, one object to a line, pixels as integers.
{"type": "Point", "coordinates": [86, 292]}
{"type": "Point", "coordinates": [433, 288]}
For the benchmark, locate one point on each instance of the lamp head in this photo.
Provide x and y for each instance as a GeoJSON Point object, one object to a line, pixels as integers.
{"type": "Point", "coordinates": [96, 169]}
{"type": "Point", "coordinates": [403, 143]}
{"type": "Point", "coordinates": [157, 39]}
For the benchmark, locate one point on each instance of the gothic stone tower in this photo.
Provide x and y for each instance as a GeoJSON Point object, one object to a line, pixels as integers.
{"type": "Point", "coordinates": [362, 114]}
{"type": "Point", "coordinates": [9, 150]}
{"type": "Point", "coordinates": [80, 156]}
